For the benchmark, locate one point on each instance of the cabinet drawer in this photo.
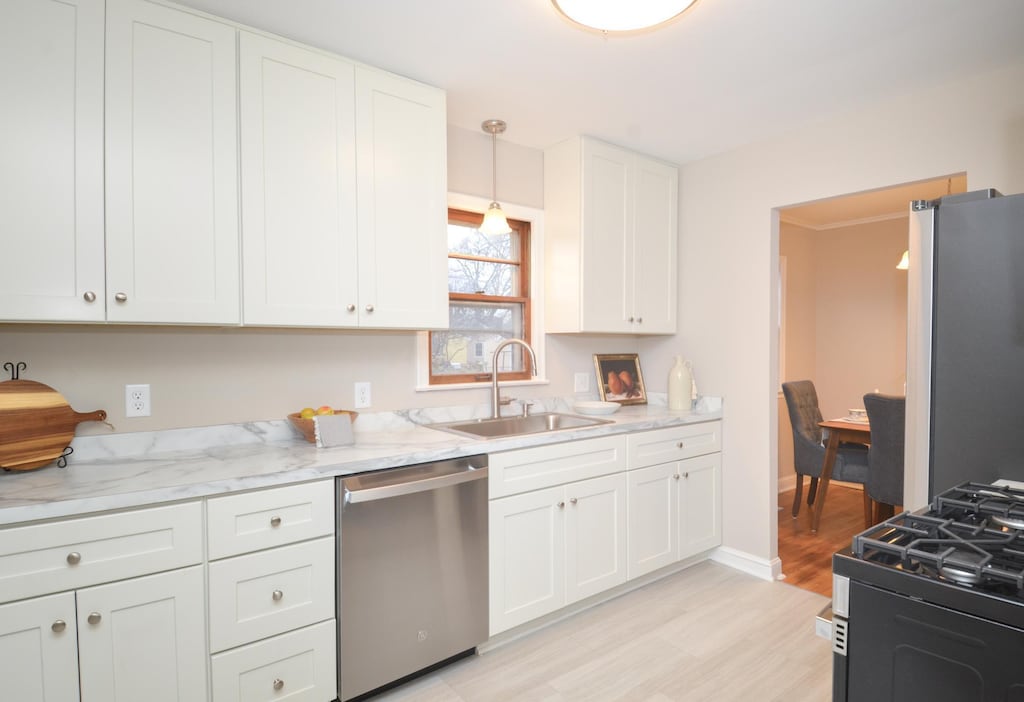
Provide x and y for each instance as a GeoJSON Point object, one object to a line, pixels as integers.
{"type": "Point", "coordinates": [55, 556]}
{"type": "Point", "coordinates": [649, 448]}
{"type": "Point", "coordinates": [300, 666]}
{"type": "Point", "coordinates": [513, 472]}
{"type": "Point", "coordinates": [266, 593]}
{"type": "Point", "coordinates": [256, 520]}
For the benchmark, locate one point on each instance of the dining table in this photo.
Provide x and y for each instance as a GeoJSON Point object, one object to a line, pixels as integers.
{"type": "Point", "coordinates": [839, 431]}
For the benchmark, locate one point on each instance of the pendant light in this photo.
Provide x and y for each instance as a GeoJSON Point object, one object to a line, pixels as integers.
{"type": "Point", "coordinates": [494, 223]}
{"type": "Point", "coordinates": [619, 15]}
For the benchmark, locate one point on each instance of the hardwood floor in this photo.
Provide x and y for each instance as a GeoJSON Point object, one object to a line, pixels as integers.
{"type": "Point", "coordinates": [806, 557]}
{"type": "Point", "coordinates": [706, 633]}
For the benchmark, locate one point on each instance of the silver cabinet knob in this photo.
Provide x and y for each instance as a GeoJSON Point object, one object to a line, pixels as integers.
{"type": "Point", "coordinates": [74, 558]}
{"type": "Point", "coordinates": [94, 618]}
{"type": "Point", "coordinates": [679, 445]}
{"type": "Point", "coordinates": [278, 683]}
{"type": "Point", "coordinates": [89, 296]}
{"type": "Point", "coordinates": [121, 297]}
{"type": "Point", "coordinates": [573, 500]}
{"type": "Point", "coordinates": [369, 308]}
{"type": "Point", "coordinates": [686, 475]}
{"type": "Point", "coordinates": [676, 476]}
{"type": "Point", "coordinates": [275, 521]}
{"type": "Point", "coordinates": [59, 626]}
{"type": "Point", "coordinates": [277, 595]}
{"type": "Point", "coordinates": [350, 308]}
{"type": "Point", "coordinates": [561, 505]}
{"type": "Point", "coordinates": [639, 320]}
{"type": "Point", "coordinates": [630, 320]}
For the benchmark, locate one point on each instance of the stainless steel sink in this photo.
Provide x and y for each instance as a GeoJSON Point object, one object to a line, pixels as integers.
{"type": "Point", "coordinates": [516, 426]}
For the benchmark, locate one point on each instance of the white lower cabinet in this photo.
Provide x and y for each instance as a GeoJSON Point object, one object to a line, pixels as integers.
{"type": "Point", "coordinates": [143, 639]}
{"type": "Point", "coordinates": [39, 649]}
{"type": "Point", "coordinates": [674, 512]}
{"type": "Point", "coordinates": [552, 547]}
{"type": "Point", "coordinates": [298, 666]}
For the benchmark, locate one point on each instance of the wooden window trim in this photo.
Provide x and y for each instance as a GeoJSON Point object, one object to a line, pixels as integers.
{"type": "Point", "coordinates": [523, 228]}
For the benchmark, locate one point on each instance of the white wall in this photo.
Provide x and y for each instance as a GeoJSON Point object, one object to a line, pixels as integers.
{"type": "Point", "coordinates": [206, 376]}
{"type": "Point", "coordinates": [729, 246]}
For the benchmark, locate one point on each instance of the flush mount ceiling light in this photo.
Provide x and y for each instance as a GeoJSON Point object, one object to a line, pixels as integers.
{"type": "Point", "coordinates": [621, 15]}
{"type": "Point", "coordinates": [494, 222]}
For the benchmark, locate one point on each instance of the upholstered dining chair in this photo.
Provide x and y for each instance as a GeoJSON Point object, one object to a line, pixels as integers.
{"type": "Point", "coordinates": [887, 415]}
{"type": "Point", "coordinates": [809, 452]}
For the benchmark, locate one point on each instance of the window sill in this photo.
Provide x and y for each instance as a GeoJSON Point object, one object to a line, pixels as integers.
{"type": "Point", "coordinates": [482, 385]}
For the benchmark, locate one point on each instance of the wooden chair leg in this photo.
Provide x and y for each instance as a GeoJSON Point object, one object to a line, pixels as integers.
{"type": "Point", "coordinates": [813, 492]}
{"type": "Point", "coordinates": [798, 495]}
{"type": "Point", "coordinates": [868, 521]}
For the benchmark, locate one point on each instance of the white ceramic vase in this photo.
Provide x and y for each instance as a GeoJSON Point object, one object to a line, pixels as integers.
{"type": "Point", "coordinates": [680, 385]}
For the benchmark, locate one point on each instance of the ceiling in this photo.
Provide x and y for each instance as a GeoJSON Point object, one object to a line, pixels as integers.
{"type": "Point", "coordinates": [724, 74]}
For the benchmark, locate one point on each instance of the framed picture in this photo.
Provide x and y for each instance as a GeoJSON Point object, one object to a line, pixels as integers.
{"type": "Point", "coordinates": [619, 378]}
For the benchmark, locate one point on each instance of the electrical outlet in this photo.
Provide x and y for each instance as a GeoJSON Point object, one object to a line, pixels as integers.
{"type": "Point", "coordinates": [362, 400]}
{"type": "Point", "coordinates": [581, 382]}
{"type": "Point", "coordinates": [137, 401]}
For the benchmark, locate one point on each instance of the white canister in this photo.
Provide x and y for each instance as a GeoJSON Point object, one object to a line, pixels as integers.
{"type": "Point", "coordinates": [680, 385]}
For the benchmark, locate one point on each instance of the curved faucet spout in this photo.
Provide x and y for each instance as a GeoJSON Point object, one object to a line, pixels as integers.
{"type": "Point", "coordinates": [495, 400]}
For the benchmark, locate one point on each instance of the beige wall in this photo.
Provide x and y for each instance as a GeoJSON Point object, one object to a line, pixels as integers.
{"type": "Point", "coordinates": [207, 376]}
{"type": "Point", "coordinates": [729, 247]}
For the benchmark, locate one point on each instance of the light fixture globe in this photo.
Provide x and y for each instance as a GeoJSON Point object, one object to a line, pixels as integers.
{"type": "Point", "coordinates": [621, 15]}
{"type": "Point", "coordinates": [495, 223]}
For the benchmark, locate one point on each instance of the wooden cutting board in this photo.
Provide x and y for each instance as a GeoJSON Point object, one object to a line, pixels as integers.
{"type": "Point", "coordinates": [36, 424]}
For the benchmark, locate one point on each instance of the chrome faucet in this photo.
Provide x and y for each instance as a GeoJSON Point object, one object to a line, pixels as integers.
{"type": "Point", "coordinates": [495, 400]}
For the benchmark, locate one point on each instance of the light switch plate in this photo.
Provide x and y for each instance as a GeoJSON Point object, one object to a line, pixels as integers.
{"type": "Point", "coordinates": [581, 382]}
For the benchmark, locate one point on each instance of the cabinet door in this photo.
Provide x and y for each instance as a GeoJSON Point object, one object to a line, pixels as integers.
{"type": "Point", "coordinates": [298, 185]}
{"type": "Point", "coordinates": [700, 504]}
{"type": "Point", "coordinates": [403, 211]}
{"type": "Point", "coordinates": [595, 536]}
{"type": "Point", "coordinates": [527, 557]}
{"type": "Point", "coordinates": [608, 257]}
{"type": "Point", "coordinates": [51, 171]}
{"type": "Point", "coordinates": [653, 518]}
{"type": "Point", "coordinates": [144, 639]}
{"type": "Point", "coordinates": [655, 232]}
{"type": "Point", "coordinates": [172, 166]}
{"type": "Point", "coordinates": [38, 650]}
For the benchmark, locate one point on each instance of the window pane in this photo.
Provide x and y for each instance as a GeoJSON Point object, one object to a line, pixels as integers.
{"type": "Point", "coordinates": [464, 239]}
{"type": "Point", "coordinates": [476, 329]}
{"type": "Point", "coordinates": [482, 277]}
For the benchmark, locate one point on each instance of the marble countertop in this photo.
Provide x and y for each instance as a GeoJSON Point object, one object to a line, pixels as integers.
{"type": "Point", "coordinates": [136, 469]}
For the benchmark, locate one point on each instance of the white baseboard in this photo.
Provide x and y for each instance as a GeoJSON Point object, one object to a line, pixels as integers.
{"type": "Point", "coordinates": [788, 482]}
{"type": "Point", "coordinates": [747, 563]}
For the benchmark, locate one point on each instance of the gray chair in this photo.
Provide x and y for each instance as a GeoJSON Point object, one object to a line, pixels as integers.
{"type": "Point", "coordinates": [809, 452]}
{"type": "Point", "coordinates": [888, 417]}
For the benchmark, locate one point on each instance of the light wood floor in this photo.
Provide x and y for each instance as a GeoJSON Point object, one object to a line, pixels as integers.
{"type": "Point", "coordinates": [806, 557]}
{"type": "Point", "coordinates": [706, 633]}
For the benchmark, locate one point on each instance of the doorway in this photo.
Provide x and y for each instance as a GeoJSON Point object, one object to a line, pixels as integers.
{"type": "Point", "coordinates": [843, 325]}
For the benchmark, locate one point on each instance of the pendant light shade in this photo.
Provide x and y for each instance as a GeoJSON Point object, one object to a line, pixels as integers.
{"type": "Point", "coordinates": [904, 263]}
{"type": "Point", "coordinates": [495, 223]}
{"type": "Point", "coordinates": [621, 15]}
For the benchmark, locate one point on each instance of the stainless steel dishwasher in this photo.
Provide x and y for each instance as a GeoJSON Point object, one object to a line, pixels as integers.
{"type": "Point", "coordinates": [412, 581]}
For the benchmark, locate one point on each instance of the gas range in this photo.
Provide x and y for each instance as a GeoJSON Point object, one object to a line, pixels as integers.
{"type": "Point", "coordinates": [938, 589]}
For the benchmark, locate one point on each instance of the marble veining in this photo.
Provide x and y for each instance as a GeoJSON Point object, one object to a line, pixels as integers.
{"type": "Point", "coordinates": [135, 469]}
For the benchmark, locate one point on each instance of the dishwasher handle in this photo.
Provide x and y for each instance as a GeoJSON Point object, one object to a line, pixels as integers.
{"type": "Point", "coordinates": [419, 479]}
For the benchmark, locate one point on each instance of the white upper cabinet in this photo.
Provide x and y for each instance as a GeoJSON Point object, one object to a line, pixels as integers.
{"type": "Point", "coordinates": [297, 111]}
{"type": "Point", "coordinates": [172, 166]}
{"type": "Point", "coordinates": [610, 239]}
{"type": "Point", "coordinates": [51, 169]}
{"type": "Point", "coordinates": [401, 152]}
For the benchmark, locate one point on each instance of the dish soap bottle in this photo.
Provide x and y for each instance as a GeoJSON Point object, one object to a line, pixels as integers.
{"type": "Point", "coordinates": [680, 384]}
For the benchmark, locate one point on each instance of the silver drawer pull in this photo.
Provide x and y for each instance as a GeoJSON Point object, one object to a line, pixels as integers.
{"type": "Point", "coordinates": [74, 558]}
{"type": "Point", "coordinates": [369, 308]}
{"type": "Point", "coordinates": [350, 308]}
{"type": "Point", "coordinates": [686, 475]}
{"type": "Point", "coordinates": [277, 595]}
{"type": "Point", "coordinates": [561, 505]}
{"type": "Point", "coordinates": [278, 683]}
{"type": "Point", "coordinates": [275, 522]}
{"type": "Point", "coordinates": [573, 500]}
{"type": "Point", "coordinates": [89, 296]}
{"type": "Point", "coordinates": [679, 445]}
{"type": "Point", "coordinates": [94, 618]}
{"type": "Point", "coordinates": [676, 476]}
{"type": "Point", "coordinates": [59, 626]}
{"type": "Point", "coordinates": [121, 297]}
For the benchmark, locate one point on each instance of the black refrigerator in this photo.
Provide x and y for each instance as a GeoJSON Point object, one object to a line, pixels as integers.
{"type": "Point", "coordinates": [976, 417]}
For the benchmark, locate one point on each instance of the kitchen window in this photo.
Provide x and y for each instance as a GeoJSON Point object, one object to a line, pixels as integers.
{"type": "Point", "coordinates": [488, 302]}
